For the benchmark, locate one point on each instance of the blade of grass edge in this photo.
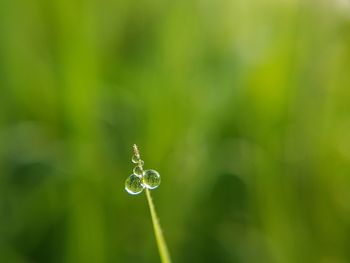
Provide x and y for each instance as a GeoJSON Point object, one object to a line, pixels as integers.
{"type": "Point", "coordinates": [162, 247]}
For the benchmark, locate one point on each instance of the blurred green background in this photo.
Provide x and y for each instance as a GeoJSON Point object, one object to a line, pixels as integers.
{"type": "Point", "coordinates": [243, 106]}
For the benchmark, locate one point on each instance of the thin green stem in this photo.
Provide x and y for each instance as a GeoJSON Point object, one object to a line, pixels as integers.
{"type": "Point", "coordinates": [162, 247]}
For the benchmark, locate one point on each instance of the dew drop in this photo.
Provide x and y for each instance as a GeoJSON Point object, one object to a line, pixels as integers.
{"type": "Point", "coordinates": [151, 179]}
{"type": "Point", "coordinates": [133, 184]}
{"type": "Point", "coordinates": [135, 158]}
{"type": "Point", "coordinates": [138, 171]}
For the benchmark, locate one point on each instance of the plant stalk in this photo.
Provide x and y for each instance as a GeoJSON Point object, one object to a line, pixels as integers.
{"type": "Point", "coordinates": [162, 247]}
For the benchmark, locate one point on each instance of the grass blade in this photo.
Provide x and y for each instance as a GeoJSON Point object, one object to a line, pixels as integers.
{"type": "Point", "coordinates": [162, 247]}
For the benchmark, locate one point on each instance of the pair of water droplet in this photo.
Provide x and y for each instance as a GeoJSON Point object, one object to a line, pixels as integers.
{"type": "Point", "coordinates": [141, 179]}
{"type": "Point", "coordinates": [135, 183]}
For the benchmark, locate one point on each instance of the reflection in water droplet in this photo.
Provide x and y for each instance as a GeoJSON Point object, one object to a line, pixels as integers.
{"type": "Point", "coordinates": [135, 158]}
{"type": "Point", "coordinates": [133, 184]}
{"type": "Point", "coordinates": [138, 171]}
{"type": "Point", "coordinates": [151, 179]}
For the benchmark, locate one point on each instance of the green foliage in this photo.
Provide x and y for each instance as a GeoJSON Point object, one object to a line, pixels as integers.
{"type": "Point", "coordinates": [242, 107]}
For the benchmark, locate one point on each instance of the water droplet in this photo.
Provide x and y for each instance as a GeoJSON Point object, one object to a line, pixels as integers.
{"type": "Point", "coordinates": [135, 158]}
{"type": "Point", "coordinates": [151, 179]}
{"type": "Point", "coordinates": [133, 184]}
{"type": "Point", "coordinates": [138, 171]}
